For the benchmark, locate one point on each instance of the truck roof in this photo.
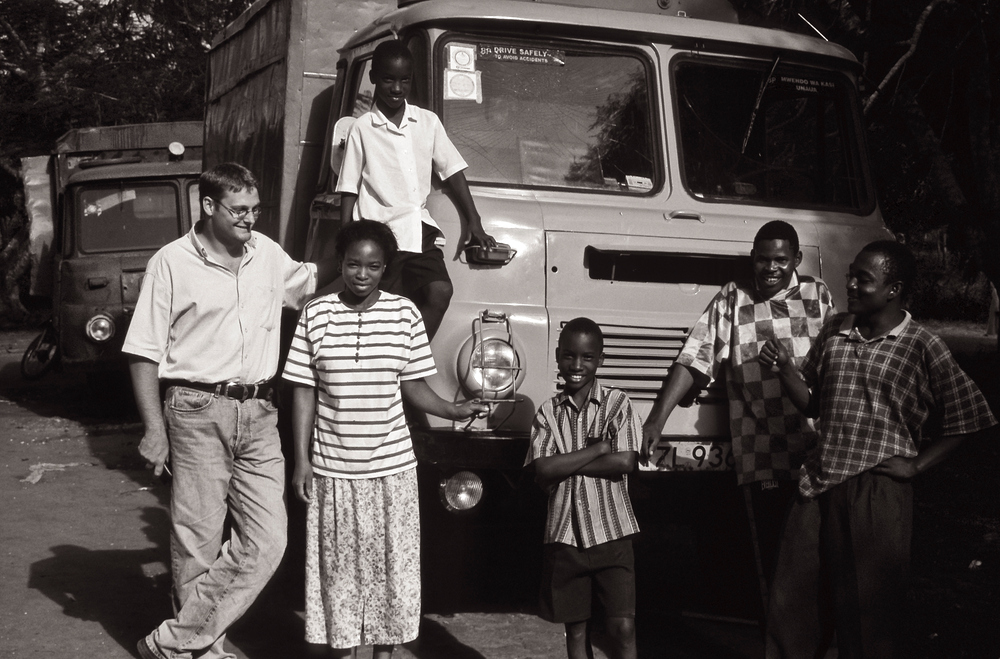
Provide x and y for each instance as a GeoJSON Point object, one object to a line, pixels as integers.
{"type": "Point", "coordinates": [137, 170]}
{"type": "Point", "coordinates": [130, 136]}
{"type": "Point", "coordinates": [595, 21]}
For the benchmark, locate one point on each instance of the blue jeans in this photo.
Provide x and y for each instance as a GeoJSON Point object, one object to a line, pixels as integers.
{"type": "Point", "coordinates": [226, 457]}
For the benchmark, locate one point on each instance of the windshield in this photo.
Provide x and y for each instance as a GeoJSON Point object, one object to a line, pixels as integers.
{"type": "Point", "coordinates": [127, 217]}
{"type": "Point", "coordinates": [785, 139]}
{"type": "Point", "coordinates": [538, 116]}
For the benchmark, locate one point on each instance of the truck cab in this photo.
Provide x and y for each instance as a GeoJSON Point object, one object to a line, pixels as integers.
{"type": "Point", "coordinates": [119, 193]}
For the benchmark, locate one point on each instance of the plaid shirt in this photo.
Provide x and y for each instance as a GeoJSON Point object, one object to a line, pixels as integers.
{"type": "Point", "coordinates": [583, 510]}
{"type": "Point", "coordinates": [883, 397]}
{"type": "Point", "coordinates": [770, 436]}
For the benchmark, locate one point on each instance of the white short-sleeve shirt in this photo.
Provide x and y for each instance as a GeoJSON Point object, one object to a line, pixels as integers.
{"type": "Point", "coordinates": [389, 169]}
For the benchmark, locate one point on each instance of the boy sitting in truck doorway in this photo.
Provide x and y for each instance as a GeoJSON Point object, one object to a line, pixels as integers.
{"type": "Point", "coordinates": [386, 176]}
{"type": "Point", "coordinates": [584, 443]}
{"type": "Point", "coordinates": [770, 436]}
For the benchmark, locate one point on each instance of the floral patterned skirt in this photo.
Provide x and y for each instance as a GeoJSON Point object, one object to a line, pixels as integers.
{"type": "Point", "coordinates": [363, 561]}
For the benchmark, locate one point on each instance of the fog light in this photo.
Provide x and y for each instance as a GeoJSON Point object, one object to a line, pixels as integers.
{"type": "Point", "coordinates": [100, 328]}
{"type": "Point", "coordinates": [462, 491]}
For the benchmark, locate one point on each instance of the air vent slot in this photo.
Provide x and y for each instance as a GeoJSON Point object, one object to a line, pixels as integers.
{"type": "Point", "coordinates": [665, 267]}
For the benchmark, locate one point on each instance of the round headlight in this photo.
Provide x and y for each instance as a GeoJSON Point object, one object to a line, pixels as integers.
{"type": "Point", "coordinates": [494, 364]}
{"type": "Point", "coordinates": [490, 367]}
{"type": "Point", "coordinates": [100, 328]}
{"type": "Point", "coordinates": [461, 491]}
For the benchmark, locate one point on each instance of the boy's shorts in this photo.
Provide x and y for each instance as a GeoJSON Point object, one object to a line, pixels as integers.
{"type": "Point", "coordinates": [570, 577]}
{"type": "Point", "coordinates": [409, 272]}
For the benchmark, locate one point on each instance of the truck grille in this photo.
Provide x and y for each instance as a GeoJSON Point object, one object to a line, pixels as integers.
{"type": "Point", "coordinates": [637, 359]}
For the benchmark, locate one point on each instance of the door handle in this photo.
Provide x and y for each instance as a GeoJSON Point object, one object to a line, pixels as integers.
{"type": "Point", "coordinates": [683, 215]}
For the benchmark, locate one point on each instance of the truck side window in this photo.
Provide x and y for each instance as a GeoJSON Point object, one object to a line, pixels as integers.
{"type": "Point", "coordinates": [541, 116]}
{"type": "Point", "coordinates": [194, 202]}
{"type": "Point", "coordinates": [364, 90]}
{"type": "Point", "coordinates": [798, 146]}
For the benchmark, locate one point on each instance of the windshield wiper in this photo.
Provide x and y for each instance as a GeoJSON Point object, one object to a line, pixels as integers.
{"type": "Point", "coordinates": [756, 106]}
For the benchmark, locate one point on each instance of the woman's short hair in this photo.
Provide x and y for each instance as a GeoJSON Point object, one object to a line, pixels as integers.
{"type": "Point", "coordinates": [358, 230]}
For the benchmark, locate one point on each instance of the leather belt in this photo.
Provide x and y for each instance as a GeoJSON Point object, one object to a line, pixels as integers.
{"type": "Point", "coordinates": [240, 392]}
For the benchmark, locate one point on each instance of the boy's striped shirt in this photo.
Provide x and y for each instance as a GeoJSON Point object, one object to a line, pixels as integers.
{"type": "Point", "coordinates": [584, 511]}
{"type": "Point", "coordinates": [356, 360]}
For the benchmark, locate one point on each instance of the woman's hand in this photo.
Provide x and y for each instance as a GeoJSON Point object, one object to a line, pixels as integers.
{"type": "Point", "coordinates": [468, 409]}
{"type": "Point", "coordinates": [302, 481]}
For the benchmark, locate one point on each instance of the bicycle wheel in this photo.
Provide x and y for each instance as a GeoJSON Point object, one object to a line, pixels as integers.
{"type": "Point", "coordinates": [40, 355]}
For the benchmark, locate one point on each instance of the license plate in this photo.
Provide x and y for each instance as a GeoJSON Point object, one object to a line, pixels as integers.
{"type": "Point", "coordinates": [692, 456]}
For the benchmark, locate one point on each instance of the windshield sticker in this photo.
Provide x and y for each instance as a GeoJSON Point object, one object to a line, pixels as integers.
{"type": "Point", "coordinates": [461, 57]}
{"type": "Point", "coordinates": [805, 84]}
{"type": "Point", "coordinates": [639, 182]}
{"type": "Point", "coordinates": [522, 54]}
{"type": "Point", "coordinates": [463, 86]}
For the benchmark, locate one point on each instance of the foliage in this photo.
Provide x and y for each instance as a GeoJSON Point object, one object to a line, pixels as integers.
{"type": "Point", "coordinates": [74, 63]}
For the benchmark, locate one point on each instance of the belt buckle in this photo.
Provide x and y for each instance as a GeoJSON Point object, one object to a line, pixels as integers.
{"type": "Point", "coordinates": [247, 391]}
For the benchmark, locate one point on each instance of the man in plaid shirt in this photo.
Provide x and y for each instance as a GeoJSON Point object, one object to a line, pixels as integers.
{"type": "Point", "coordinates": [770, 436]}
{"type": "Point", "coordinates": [891, 403]}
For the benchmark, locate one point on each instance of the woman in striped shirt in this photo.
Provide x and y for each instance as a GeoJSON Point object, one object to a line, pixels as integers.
{"type": "Point", "coordinates": [354, 358]}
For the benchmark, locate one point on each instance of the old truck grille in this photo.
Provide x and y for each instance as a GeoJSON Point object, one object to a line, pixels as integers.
{"type": "Point", "coordinates": [637, 359]}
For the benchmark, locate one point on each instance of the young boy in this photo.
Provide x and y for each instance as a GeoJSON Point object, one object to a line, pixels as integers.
{"type": "Point", "coordinates": [386, 176]}
{"type": "Point", "coordinates": [584, 443]}
{"type": "Point", "coordinates": [770, 437]}
{"type": "Point", "coordinates": [892, 403]}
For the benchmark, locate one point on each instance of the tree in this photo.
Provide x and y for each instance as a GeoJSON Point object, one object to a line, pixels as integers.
{"type": "Point", "coordinates": [75, 63]}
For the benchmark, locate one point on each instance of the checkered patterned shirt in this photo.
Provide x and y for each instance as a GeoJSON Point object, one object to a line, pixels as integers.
{"type": "Point", "coordinates": [882, 397]}
{"type": "Point", "coordinates": [583, 510]}
{"type": "Point", "coordinates": [770, 436]}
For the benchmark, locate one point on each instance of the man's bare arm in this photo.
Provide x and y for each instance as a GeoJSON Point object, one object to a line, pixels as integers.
{"type": "Point", "coordinates": [679, 381]}
{"type": "Point", "coordinates": [155, 446]}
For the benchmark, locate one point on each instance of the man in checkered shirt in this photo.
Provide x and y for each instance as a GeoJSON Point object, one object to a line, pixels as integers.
{"type": "Point", "coordinates": [891, 403]}
{"type": "Point", "coordinates": [770, 436]}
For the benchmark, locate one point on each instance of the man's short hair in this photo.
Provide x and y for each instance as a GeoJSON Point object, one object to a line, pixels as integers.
{"type": "Point", "coordinates": [778, 230]}
{"type": "Point", "coordinates": [583, 325]}
{"type": "Point", "coordinates": [898, 262]}
{"type": "Point", "coordinates": [390, 50]}
{"type": "Point", "coordinates": [223, 178]}
{"type": "Point", "coordinates": [358, 230]}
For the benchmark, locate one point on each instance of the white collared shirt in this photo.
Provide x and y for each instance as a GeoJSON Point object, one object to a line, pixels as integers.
{"type": "Point", "coordinates": [204, 323]}
{"type": "Point", "coordinates": [389, 169]}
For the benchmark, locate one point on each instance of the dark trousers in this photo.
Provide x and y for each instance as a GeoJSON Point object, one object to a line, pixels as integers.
{"type": "Point", "coordinates": [767, 505]}
{"type": "Point", "coordinates": [843, 565]}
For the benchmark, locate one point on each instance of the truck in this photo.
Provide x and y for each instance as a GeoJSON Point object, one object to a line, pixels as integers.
{"type": "Point", "coordinates": [624, 155]}
{"type": "Point", "coordinates": [99, 207]}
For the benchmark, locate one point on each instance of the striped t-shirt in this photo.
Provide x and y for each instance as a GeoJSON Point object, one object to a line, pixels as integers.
{"type": "Point", "coordinates": [356, 361]}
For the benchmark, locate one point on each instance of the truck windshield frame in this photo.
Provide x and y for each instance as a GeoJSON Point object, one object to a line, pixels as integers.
{"type": "Point", "coordinates": [804, 150]}
{"type": "Point", "coordinates": [126, 216]}
{"type": "Point", "coordinates": [546, 114]}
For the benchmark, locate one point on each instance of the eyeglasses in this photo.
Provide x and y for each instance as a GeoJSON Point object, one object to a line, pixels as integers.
{"type": "Point", "coordinates": [239, 214]}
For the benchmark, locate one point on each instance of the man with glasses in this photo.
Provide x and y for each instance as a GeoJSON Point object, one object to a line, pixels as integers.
{"type": "Point", "coordinates": [206, 334]}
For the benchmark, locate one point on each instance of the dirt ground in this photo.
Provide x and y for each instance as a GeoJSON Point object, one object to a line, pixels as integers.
{"type": "Point", "coordinates": [83, 545]}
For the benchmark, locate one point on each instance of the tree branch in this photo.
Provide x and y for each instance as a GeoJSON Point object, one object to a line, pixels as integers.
{"type": "Point", "coordinates": [914, 39]}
